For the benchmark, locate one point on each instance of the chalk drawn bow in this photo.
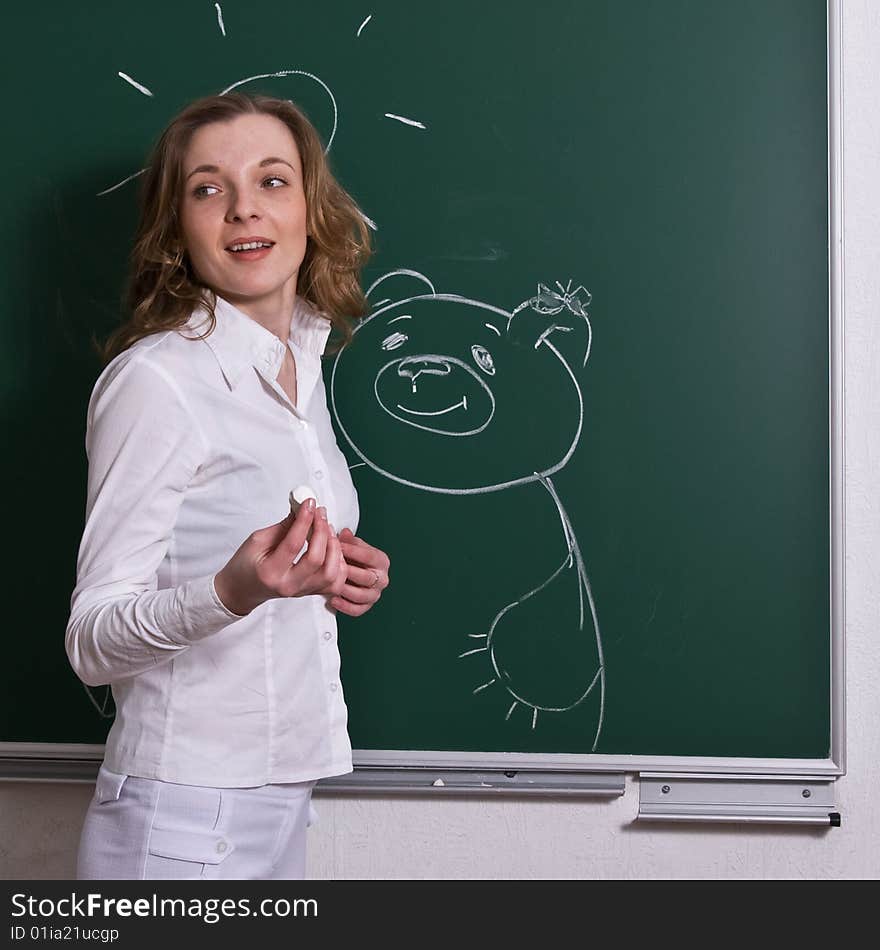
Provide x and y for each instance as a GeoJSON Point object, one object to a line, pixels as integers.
{"type": "Point", "coordinates": [549, 302]}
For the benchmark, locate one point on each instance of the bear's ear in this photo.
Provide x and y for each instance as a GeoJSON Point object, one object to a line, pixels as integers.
{"type": "Point", "coordinates": [560, 318]}
{"type": "Point", "coordinates": [398, 285]}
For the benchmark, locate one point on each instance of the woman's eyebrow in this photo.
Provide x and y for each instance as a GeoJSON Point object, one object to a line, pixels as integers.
{"type": "Point", "coordinates": [213, 169]}
{"type": "Point", "coordinates": [203, 168]}
{"type": "Point", "coordinates": [276, 161]}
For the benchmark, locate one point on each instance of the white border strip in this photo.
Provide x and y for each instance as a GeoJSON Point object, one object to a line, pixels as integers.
{"type": "Point", "coordinates": [837, 501]}
{"type": "Point", "coordinates": [417, 759]}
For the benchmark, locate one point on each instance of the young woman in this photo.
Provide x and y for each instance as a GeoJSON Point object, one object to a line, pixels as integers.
{"type": "Point", "coordinates": [205, 604]}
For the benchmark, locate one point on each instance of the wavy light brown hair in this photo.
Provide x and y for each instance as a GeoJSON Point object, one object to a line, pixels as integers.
{"type": "Point", "coordinates": [163, 289]}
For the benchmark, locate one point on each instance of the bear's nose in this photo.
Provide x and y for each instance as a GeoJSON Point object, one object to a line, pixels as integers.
{"type": "Point", "coordinates": [414, 366]}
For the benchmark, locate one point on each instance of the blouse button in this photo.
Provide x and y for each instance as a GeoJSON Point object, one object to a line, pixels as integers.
{"type": "Point", "coordinates": [319, 474]}
{"type": "Point", "coordinates": [221, 847]}
{"type": "Point", "coordinates": [327, 634]}
{"type": "Point", "coordinates": [333, 687]}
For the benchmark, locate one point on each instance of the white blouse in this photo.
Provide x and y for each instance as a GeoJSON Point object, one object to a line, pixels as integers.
{"type": "Point", "coordinates": [192, 445]}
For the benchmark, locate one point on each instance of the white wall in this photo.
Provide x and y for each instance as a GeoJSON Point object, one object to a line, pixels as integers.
{"type": "Point", "coordinates": [458, 838]}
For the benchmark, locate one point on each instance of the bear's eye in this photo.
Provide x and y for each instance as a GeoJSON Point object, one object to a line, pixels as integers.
{"type": "Point", "coordinates": [483, 359]}
{"type": "Point", "coordinates": [394, 341]}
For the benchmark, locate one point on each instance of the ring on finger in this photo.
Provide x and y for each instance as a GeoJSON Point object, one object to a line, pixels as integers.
{"type": "Point", "coordinates": [375, 578]}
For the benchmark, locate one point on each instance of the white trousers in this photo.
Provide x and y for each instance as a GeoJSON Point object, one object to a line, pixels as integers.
{"type": "Point", "coordinates": [145, 829]}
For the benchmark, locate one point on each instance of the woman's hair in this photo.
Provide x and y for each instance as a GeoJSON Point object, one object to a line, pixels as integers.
{"type": "Point", "coordinates": [163, 289]}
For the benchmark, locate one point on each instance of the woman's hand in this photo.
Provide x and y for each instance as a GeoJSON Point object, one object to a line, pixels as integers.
{"type": "Point", "coordinates": [264, 568]}
{"type": "Point", "coordinates": [367, 570]}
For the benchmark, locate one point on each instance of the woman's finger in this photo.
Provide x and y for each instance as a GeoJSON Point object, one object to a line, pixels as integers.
{"type": "Point", "coordinates": [369, 577]}
{"type": "Point", "coordinates": [365, 555]}
{"type": "Point", "coordinates": [299, 574]}
{"type": "Point", "coordinates": [297, 533]}
{"type": "Point", "coordinates": [317, 552]}
{"type": "Point", "coordinates": [333, 571]}
{"type": "Point", "coordinates": [347, 607]}
{"type": "Point", "coordinates": [360, 595]}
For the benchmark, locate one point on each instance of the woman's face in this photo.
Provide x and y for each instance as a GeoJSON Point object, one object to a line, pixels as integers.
{"type": "Point", "coordinates": [243, 212]}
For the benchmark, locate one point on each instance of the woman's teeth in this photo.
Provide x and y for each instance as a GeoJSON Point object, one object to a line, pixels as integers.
{"type": "Point", "coordinates": [250, 246]}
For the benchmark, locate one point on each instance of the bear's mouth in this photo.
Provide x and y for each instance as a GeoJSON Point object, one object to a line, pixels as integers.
{"type": "Point", "coordinates": [453, 400]}
{"type": "Point", "coordinates": [461, 404]}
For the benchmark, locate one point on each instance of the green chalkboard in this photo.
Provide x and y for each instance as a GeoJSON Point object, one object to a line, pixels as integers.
{"type": "Point", "coordinates": [589, 415]}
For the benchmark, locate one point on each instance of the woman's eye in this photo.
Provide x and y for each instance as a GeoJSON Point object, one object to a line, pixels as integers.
{"type": "Point", "coordinates": [483, 359]}
{"type": "Point", "coordinates": [274, 182]}
{"type": "Point", "coordinates": [205, 191]}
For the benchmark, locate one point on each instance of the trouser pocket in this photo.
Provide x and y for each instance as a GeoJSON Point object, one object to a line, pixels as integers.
{"type": "Point", "coordinates": [108, 786]}
{"type": "Point", "coordinates": [187, 840]}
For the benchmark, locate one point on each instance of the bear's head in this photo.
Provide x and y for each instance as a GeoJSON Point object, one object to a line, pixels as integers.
{"type": "Point", "coordinates": [454, 395]}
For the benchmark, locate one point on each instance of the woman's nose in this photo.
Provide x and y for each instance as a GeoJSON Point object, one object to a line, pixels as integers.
{"type": "Point", "coordinates": [242, 206]}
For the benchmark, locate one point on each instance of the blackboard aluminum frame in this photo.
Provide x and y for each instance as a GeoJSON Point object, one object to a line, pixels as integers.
{"type": "Point", "coordinates": [76, 762]}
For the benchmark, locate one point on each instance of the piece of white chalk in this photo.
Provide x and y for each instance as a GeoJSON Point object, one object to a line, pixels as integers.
{"type": "Point", "coordinates": [439, 783]}
{"type": "Point", "coordinates": [299, 495]}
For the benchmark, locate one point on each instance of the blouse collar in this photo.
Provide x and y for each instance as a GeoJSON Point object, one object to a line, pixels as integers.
{"type": "Point", "coordinates": [239, 342]}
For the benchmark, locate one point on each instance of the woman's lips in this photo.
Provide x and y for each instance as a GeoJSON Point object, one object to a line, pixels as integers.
{"type": "Point", "coordinates": [255, 255]}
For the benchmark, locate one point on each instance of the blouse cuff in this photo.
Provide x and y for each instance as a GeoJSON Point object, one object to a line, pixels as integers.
{"type": "Point", "coordinates": [208, 614]}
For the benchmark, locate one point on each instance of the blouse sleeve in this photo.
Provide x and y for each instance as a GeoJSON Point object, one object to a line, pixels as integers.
{"type": "Point", "coordinates": [143, 447]}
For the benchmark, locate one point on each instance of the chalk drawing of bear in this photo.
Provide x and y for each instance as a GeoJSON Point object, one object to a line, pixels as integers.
{"type": "Point", "coordinates": [453, 379]}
